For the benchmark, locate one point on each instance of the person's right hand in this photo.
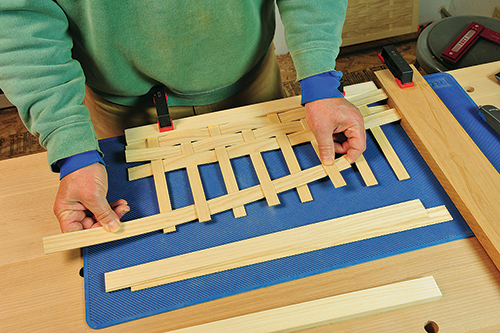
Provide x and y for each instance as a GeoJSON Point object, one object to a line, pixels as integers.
{"type": "Point", "coordinates": [81, 201]}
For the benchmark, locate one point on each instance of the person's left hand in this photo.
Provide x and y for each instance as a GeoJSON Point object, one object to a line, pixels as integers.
{"type": "Point", "coordinates": [338, 126]}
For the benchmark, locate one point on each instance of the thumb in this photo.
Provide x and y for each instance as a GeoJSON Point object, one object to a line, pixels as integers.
{"type": "Point", "coordinates": [326, 149]}
{"type": "Point", "coordinates": [104, 215]}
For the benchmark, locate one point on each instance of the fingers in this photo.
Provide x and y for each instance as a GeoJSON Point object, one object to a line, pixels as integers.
{"type": "Point", "coordinates": [328, 118]}
{"type": "Point", "coordinates": [81, 201]}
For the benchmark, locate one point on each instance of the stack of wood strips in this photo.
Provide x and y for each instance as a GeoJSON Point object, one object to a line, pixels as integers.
{"type": "Point", "coordinates": [217, 138]}
{"type": "Point", "coordinates": [312, 237]}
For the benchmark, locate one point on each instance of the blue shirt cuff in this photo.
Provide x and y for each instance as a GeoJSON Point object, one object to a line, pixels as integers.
{"type": "Point", "coordinates": [320, 86]}
{"type": "Point", "coordinates": [69, 164]}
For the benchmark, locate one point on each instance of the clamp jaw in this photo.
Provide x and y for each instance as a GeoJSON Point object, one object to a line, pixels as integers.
{"type": "Point", "coordinates": [160, 100]}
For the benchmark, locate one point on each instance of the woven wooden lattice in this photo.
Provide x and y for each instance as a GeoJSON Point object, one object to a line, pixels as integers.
{"type": "Point", "coordinates": [217, 138]}
{"type": "Point", "coordinates": [241, 132]}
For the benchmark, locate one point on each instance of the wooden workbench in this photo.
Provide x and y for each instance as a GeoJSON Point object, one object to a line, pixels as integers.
{"type": "Point", "coordinates": [44, 293]}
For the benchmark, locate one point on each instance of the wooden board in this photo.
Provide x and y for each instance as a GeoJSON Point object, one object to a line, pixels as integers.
{"type": "Point", "coordinates": [316, 236]}
{"type": "Point", "coordinates": [464, 172]}
{"type": "Point", "coordinates": [329, 310]}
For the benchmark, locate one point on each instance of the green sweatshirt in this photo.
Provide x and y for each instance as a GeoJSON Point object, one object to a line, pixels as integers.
{"type": "Point", "coordinates": [203, 51]}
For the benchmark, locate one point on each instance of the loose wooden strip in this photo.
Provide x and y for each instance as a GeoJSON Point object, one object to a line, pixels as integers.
{"type": "Point", "coordinates": [366, 172]}
{"type": "Point", "coordinates": [331, 170]}
{"type": "Point", "coordinates": [440, 214]}
{"type": "Point", "coordinates": [316, 236]}
{"type": "Point", "coordinates": [389, 153]}
{"type": "Point", "coordinates": [200, 201]}
{"type": "Point", "coordinates": [462, 169]}
{"type": "Point", "coordinates": [160, 183]}
{"type": "Point", "coordinates": [328, 310]}
{"type": "Point", "coordinates": [290, 158]}
{"type": "Point", "coordinates": [77, 239]}
{"type": "Point", "coordinates": [261, 171]}
{"type": "Point", "coordinates": [227, 170]}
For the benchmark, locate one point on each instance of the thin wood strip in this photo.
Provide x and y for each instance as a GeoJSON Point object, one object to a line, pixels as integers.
{"type": "Point", "coordinates": [331, 170]}
{"type": "Point", "coordinates": [366, 172]}
{"type": "Point", "coordinates": [227, 171]}
{"type": "Point", "coordinates": [381, 118]}
{"type": "Point", "coordinates": [290, 158]}
{"type": "Point", "coordinates": [160, 181]}
{"type": "Point", "coordinates": [328, 310]}
{"type": "Point", "coordinates": [217, 141]}
{"type": "Point", "coordinates": [245, 257]}
{"type": "Point", "coordinates": [388, 151]}
{"type": "Point", "coordinates": [359, 88]}
{"type": "Point", "coordinates": [200, 201]}
{"type": "Point", "coordinates": [78, 239]}
{"type": "Point", "coordinates": [316, 236]}
{"type": "Point", "coordinates": [238, 126]}
{"type": "Point", "coordinates": [261, 171]}
{"type": "Point", "coordinates": [148, 154]}
{"type": "Point", "coordinates": [277, 129]}
{"type": "Point", "coordinates": [368, 98]}
{"type": "Point", "coordinates": [462, 169]}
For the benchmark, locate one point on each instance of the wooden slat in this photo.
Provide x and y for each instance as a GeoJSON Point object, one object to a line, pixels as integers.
{"type": "Point", "coordinates": [465, 173]}
{"type": "Point", "coordinates": [366, 172]}
{"type": "Point", "coordinates": [200, 200]}
{"type": "Point", "coordinates": [261, 171]}
{"type": "Point", "coordinates": [331, 170]}
{"type": "Point", "coordinates": [227, 170]}
{"type": "Point", "coordinates": [160, 183]}
{"type": "Point", "coordinates": [316, 236]}
{"type": "Point", "coordinates": [329, 310]}
{"type": "Point", "coordinates": [389, 152]}
{"type": "Point", "coordinates": [290, 158]}
{"type": "Point", "coordinates": [77, 239]}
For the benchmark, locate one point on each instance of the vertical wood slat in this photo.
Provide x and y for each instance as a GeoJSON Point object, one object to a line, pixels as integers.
{"type": "Point", "coordinates": [160, 181]}
{"type": "Point", "coordinates": [261, 171]}
{"type": "Point", "coordinates": [290, 158]}
{"type": "Point", "coordinates": [200, 201]}
{"type": "Point", "coordinates": [331, 170]}
{"type": "Point", "coordinates": [366, 172]}
{"type": "Point", "coordinates": [227, 170]}
{"type": "Point", "coordinates": [388, 151]}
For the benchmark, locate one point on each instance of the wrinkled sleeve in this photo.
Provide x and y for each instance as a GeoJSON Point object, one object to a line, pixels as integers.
{"type": "Point", "coordinates": [313, 30]}
{"type": "Point", "coordinates": [40, 77]}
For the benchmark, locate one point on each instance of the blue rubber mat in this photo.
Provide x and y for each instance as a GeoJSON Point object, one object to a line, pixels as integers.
{"type": "Point", "coordinates": [106, 309]}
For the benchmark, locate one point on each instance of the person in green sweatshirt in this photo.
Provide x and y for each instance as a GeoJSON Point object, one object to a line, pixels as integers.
{"type": "Point", "coordinates": [79, 71]}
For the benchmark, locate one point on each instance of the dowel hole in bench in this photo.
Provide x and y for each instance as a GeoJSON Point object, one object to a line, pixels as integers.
{"type": "Point", "coordinates": [469, 89]}
{"type": "Point", "coordinates": [431, 327]}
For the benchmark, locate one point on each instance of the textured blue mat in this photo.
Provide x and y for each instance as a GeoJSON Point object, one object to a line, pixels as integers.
{"type": "Point", "coordinates": [105, 309]}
